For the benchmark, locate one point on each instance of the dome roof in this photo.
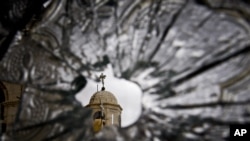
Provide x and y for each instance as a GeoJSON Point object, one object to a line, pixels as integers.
{"type": "Point", "coordinates": [104, 97]}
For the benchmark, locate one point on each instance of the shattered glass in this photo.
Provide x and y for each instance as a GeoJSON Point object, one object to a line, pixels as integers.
{"type": "Point", "coordinates": [190, 57]}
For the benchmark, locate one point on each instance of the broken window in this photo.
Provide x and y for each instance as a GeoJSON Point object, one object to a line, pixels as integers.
{"type": "Point", "coordinates": [189, 57]}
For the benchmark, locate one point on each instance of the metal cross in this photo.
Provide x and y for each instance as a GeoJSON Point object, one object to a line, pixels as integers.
{"type": "Point", "coordinates": [102, 77]}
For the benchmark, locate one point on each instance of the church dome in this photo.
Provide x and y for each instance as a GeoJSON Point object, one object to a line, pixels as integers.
{"type": "Point", "coordinates": [104, 97]}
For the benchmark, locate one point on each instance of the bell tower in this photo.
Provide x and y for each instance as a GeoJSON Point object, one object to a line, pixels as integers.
{"type": "Point", "coordinates": [105, 108]}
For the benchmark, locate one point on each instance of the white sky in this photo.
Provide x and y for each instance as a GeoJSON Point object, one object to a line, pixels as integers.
{"type": "Point", "coordinates": [127, 93]}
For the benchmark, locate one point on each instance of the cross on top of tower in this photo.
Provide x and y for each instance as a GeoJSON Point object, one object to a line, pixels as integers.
{"type": "Point", "coordinates": [102, 77]}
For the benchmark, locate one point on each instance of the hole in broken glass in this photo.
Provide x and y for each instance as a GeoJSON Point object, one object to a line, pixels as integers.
{"type": "Point", "coordinates": [128, 95]}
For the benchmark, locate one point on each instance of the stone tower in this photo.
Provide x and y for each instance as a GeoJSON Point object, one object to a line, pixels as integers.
{"type": "Point", "coordinates": [10, 94]}
{"type": "Point", "coordinates": [105, 109]}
